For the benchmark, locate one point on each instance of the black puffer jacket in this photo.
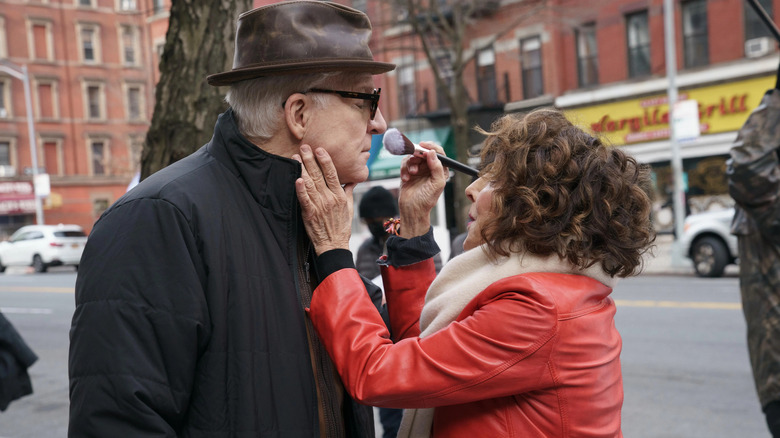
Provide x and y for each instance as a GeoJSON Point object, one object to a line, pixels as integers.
{"type": "Point", "coordinates": [189, 316]}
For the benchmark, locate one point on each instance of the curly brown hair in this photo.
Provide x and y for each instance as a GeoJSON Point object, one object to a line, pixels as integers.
{"type": "Point", "coordinates": [558, 190]}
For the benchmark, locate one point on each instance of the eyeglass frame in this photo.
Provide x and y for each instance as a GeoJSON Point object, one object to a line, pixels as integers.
{"type": "Point", "coordinates": [371, 97]}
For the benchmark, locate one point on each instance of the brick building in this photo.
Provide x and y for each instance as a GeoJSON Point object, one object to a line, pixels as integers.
{"type": "Point", "coordinates": [603, 62]}
{"type": "Point", "coordinates": [91, 74]}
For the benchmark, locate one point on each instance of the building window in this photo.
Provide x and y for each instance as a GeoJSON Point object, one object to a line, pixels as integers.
{"type": "Point", "coordinates": [3, 40]}
{"type": "Point", "coordinates": [587, 55]}
{"type": "Point", "coordinates": [87, 3]}
{"type": "Point", "coordinates": [4, 98]}
{"type": "Point", "coordinates": [134, 103]}
{"type": "Point", "coordinates": [129, 38]}
{"type": "Point", "coordinates": [638, 39]}
{"type": "Point", "coordinates": [99, 156]}
{"type": "Point", "coordinates": [51, 157]}
{"type": "Point", "coordinates": [757, 31]}
{"type": "Point", "coordinates": [127, 5]}
{"type": "Point", "coordinates": [695, 44]}
{"type": "Point", "coordinates": [486, 76]}
{"type": "Point", "coordinates": [360, 5]}
{"type": "Point", "coordinates": [94, 101]}
{"type": "Point", "coordinates": [90, 43]}
{"type": "Point", "coordinates": [41, 40]}
{"type": "Point", "coordinates": [47, 100]}
{"type": "Point", "coordinates": [407, 99]}
{"type": "Point", "coordinates": [159, 6]}
{"type": "Point", "coordinates": [5, 153]}
{"type": "Point", "coordinates": [446, 73]}
{"type": "Point", "coordinates": [531, 64]}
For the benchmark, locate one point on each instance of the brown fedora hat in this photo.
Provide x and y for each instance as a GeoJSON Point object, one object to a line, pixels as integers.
{"type": "Point", "coordinates": [298, 37]}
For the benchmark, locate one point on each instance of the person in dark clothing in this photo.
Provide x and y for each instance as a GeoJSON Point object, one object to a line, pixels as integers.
{"type": "Point", "coordinates": [753, 171]}
{"type": "Point", "coordinates": [15, 358]}
{"type": "Point", "coordinates": [191, 291]}
{"type": "Point", "coordinates": [376, 206]}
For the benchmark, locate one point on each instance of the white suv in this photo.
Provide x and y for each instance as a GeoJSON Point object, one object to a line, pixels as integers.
{"type": "Point", "coordinates": [41, 246]}
{"type": "Point", "coordinates": [708, 242]}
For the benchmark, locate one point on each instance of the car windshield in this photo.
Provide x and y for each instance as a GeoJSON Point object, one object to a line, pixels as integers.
{"type": "Point", "coordinates": [69, 234]}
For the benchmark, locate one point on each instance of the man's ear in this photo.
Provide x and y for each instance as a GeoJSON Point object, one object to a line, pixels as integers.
{"type": "Point", "coordinates": [296, 114]}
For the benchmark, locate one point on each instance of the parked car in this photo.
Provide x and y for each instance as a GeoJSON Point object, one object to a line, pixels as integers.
{"type": "Point", "coordinates": [42, 246]}
{"type": "Point", "coordinates": [708, 242]}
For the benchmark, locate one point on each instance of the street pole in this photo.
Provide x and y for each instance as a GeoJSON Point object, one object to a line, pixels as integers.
{"type": "Point", "coordinates": [671, 73]}
{"type": "Point", "coordinates": [22, 74]}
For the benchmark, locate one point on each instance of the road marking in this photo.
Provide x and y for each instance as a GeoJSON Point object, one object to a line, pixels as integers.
{"type": "Point", "coordinates": [59, 290]}
{"type": "Point", "coordinates": [680, 304]}
{"type": "Point", "coordinates": [26, 310]}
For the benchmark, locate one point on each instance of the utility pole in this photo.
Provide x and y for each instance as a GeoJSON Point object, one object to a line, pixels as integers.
{"type": "Point", "coordinates": [22, 74]}
{"type": "Point", "coordinates": [677, 174]}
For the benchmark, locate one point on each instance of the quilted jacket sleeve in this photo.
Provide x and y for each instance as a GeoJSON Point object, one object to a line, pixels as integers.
{"type": "Point", "coordinates": [495, 351]}
{"type": "Point", "coordinates": [140, 322]}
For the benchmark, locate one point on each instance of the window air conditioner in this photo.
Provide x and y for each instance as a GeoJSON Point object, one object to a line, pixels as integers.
{"type": "Point", "coordinates": [757, 47]}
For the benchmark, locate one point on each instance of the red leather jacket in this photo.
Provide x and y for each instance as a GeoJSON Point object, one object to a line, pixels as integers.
{"type": "Point", "coordinates": [533, 355]}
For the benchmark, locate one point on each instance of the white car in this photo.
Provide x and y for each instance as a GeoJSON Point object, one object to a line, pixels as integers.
{"type": "Point", "coordinates": [41, 246]}
{"type": "Point", "coordinates": [708, 242]}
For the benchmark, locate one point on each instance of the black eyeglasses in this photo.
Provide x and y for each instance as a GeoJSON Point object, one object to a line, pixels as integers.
{"type": "Point", "coordinates": [373, 97]}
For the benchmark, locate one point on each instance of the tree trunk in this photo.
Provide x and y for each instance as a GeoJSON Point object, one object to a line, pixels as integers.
{"type": "Point", "coordinates": [199, 42]}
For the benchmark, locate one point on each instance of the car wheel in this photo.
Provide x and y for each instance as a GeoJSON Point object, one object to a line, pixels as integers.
{"type": "Point", "coordinates": [38, 264]}
{"type": "Point", "coordinates": [710, 257]}
{"type": "Point", "coordinates": [2, 267]}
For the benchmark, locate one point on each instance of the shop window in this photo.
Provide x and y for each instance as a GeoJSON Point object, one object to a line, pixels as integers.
{"type": "Point", "coordinates": [695, 43]}
{"type": "Point", "coordinates": [486, 76]}
{"type": "Point", "coordinates": [531, 59]}
{"type": "Point", "coordinates": [638, 42]}
{"type": "Point", "coordinates": [587, 55]}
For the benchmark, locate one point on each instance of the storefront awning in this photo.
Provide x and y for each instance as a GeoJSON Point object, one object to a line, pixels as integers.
{"type": "Point", "coordinates": [382, 164]}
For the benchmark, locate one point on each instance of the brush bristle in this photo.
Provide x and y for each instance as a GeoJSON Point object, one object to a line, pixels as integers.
{"type": "Point", "coordinates": [396, 143]}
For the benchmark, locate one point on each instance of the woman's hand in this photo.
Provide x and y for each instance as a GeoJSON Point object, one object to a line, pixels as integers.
{"type": "Point", "coordinates": [422, 182]}
{"type": "Point", "coordinates": [326, 207]}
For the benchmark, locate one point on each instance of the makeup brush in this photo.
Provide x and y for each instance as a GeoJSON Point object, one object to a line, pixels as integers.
{"type": "Point", "coordinates": [398, 144]}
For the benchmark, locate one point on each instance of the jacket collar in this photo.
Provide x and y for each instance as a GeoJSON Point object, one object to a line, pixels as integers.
{"type": "Point", "coordinates": [269, 178]}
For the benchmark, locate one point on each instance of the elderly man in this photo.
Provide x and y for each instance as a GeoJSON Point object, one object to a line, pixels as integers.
{"type": "Point", "coordinates": [192, 288]}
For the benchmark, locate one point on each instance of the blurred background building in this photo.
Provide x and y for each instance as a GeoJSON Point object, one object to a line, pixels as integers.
{"type": "Point", "coordinates": [93, 67]}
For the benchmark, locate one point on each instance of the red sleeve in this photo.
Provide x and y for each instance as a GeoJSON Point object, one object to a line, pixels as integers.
{"type": "Point", "coordinates": [496, 351]}
{"type": "Point", "coordinates": [405, 289]}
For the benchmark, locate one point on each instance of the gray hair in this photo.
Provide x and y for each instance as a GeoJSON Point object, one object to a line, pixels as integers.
{"type": "Point", "coordinates": [258, 103]}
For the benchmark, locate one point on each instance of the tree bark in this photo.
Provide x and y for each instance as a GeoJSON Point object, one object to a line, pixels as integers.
{"type": "Point", "coordinates": [199, 42]}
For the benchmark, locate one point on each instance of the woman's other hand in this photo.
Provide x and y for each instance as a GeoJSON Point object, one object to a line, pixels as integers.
{"type": "Point", "coordinates": [326, 206]}
{"type": "Point", "coordinates": [422, 182]}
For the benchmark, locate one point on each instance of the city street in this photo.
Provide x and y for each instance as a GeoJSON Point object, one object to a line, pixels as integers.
{"type": "Point", "coordinates": [685, 365]}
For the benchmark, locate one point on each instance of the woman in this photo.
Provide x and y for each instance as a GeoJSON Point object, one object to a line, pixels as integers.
{"type": "Point", "coordinates": [516, 336]}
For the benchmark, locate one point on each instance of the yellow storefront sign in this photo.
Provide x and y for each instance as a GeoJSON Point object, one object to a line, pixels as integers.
{"type": "Point", "coordinates": [722, 108]}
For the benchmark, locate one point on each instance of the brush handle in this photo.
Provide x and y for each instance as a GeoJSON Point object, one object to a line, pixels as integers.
{"type": "Point", "coordinates": [449, 162]}
{"type": "Point", "coordinates": [457, 165]}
